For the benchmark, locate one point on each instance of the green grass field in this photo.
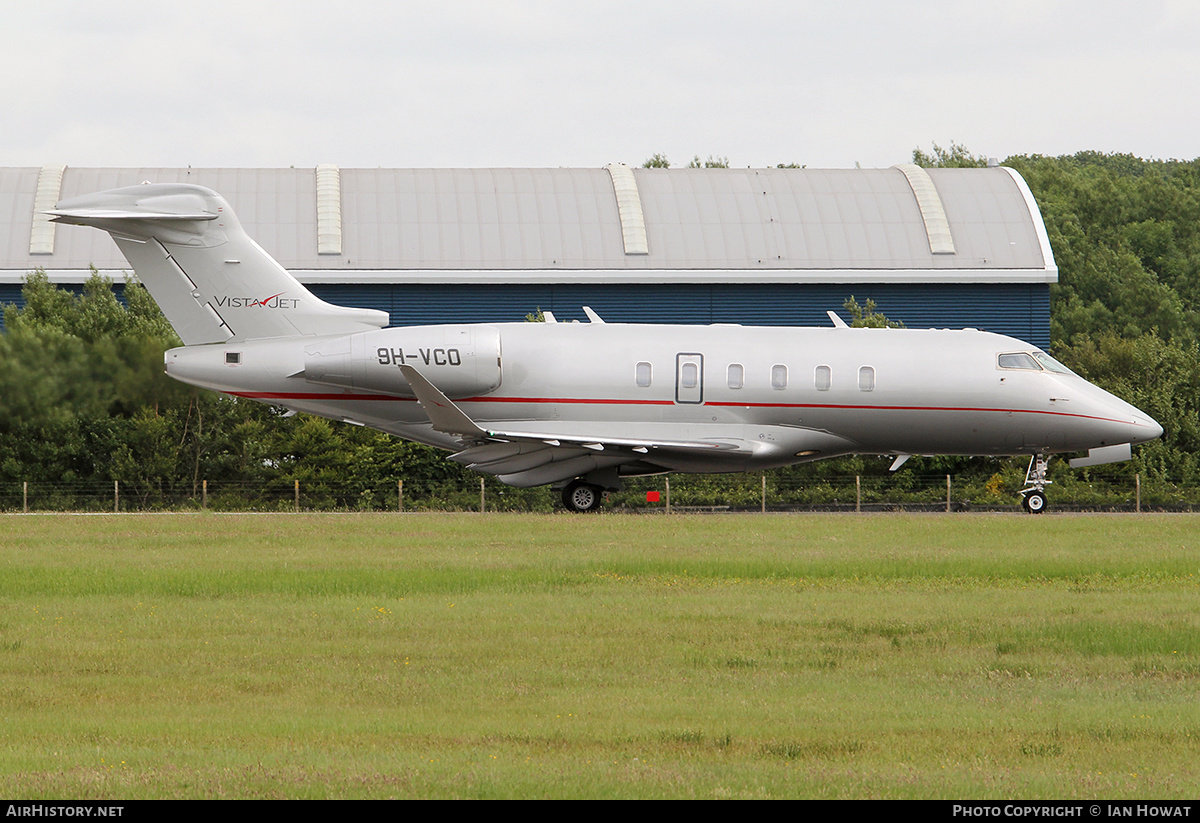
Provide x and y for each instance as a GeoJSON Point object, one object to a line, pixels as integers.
{"type": "Point", "coordinates": [495, 656]}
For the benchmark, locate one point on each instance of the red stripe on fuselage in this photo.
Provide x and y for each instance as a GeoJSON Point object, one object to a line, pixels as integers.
{"type": "Point", "coordinates": [623, 402]}
{"type": "Point", "coordinates": [288, 395]}
{"type": "Point", "coordinates": [271, 395]}
{"type": "Point", "coordinates": [916, 408]}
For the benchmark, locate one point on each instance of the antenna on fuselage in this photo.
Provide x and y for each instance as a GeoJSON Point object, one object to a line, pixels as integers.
{"type": "Point", "coordinates": [837, 321]}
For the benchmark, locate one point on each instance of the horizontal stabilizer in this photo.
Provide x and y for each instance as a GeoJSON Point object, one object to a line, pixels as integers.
{"type": "Point", "coordinates": [95, 216]}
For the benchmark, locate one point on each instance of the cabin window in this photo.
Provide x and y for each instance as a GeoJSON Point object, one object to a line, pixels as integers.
{"type": "Point", "coordinates": [689, 376]}
{"type": "Point", "coordinates": [233, 358]}
{"type": "Point", "coordinates": [866, 378]}
{"type": "Point", "coordinates": [778, 377]}
{"type": "Point", "coordinates": [737, 375]}
{"type": "Point", "coordinates": [642, 374]}
{"type": "Point", "coordinates": [823, 378]}
{"type": "Point", "coordinates": [1018, 360]}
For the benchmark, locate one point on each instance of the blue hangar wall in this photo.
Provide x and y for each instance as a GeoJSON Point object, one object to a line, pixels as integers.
{"type": "Point", "coordinates": [1020, 310]}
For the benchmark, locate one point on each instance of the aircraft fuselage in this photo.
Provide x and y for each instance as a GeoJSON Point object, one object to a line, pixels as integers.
{"type": "Point", "coordinates": [774, 393]}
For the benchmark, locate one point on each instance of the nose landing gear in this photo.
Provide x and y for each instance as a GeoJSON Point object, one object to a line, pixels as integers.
{"type": "Point", "coordinates": [1033, 496]}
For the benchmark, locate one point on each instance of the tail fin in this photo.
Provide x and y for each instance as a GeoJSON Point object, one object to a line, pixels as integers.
{"type": "Point", "coordinates": [210, 279]}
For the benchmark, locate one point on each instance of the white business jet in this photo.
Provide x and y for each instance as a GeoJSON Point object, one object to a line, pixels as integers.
{"type": "Point", "coordinates": [579, 406]}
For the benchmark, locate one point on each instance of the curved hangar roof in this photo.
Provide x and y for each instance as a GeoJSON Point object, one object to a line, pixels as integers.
{"type": "Point", "coordinates": [616, 224]}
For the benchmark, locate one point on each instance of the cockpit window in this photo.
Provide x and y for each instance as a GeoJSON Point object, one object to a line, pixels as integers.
{"type": "Point", "coordinates": [1031, 361]}
{"type": "Point", "coordinates": [1018, 360]}
{"type": "Point", "coordinates": [1050, 364]}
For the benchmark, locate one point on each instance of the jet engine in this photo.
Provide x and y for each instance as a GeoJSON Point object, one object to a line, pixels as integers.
{"type": "Point", "coordinates": [462, 361]}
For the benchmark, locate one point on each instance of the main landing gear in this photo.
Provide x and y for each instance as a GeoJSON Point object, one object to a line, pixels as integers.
{"type": "Point", "coordinates": [1033, 496]}
{"type": "Point", "coordinates": [579, 496]}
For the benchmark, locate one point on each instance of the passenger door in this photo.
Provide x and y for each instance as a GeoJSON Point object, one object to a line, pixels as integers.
{"type": "Point", "coordinates": [689, 378]}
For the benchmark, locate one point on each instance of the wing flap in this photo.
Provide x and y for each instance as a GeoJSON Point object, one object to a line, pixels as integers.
{"type": "Point", "coordinates": [591, 441]}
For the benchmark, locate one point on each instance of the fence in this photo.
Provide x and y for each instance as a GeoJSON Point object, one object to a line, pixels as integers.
{"type": "Point", "coordinates": [762, 492]}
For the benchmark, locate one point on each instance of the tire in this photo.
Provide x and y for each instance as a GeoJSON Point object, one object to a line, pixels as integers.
{"type": "Point", "coordinates": [1034, 502]}
{"type": "Point", "coordinates": [582, 497]}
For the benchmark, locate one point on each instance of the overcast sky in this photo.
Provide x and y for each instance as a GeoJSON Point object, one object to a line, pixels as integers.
{"type": "Point", "coordinates": [476, 84]}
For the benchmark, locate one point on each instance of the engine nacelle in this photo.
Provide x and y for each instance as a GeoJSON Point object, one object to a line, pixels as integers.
{"type": "Point", "coordinates": [462, 361]}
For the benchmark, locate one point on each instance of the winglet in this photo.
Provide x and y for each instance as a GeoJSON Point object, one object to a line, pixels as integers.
{"type": "Point", "coordinates": [445, 416]}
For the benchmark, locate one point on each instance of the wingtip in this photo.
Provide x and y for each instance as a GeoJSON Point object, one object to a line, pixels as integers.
{"type": "Point", "coordinates": [838, 322]}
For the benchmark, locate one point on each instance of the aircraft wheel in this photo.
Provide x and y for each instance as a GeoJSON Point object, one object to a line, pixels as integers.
{"type": "Point", "coordinates": [1034, 502]}
{"type": "Point", "coordinates": [581, 497]}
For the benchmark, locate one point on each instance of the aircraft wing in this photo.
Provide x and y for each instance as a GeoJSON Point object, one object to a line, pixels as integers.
{"type": "Point", "coordinates": [445, 416]}
{"type": "Point", "coordinates": [533, 458]}
{"type": "Point", "coordinates": [526, 459]}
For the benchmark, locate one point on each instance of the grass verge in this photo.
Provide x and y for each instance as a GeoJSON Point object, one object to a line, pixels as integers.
{"type": "Point", "coordinates": [327, 655]}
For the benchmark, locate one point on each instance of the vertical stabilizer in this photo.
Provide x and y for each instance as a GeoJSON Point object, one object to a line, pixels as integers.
{"type": "Point", "coordinates": [210, 279]}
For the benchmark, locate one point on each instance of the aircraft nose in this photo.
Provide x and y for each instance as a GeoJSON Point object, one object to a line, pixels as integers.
{"type": "Point", "coordinates": [1145, 428]}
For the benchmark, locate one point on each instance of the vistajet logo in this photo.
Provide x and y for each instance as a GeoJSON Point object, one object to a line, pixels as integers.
{"type": "Point", "coordinates": [275, 301]}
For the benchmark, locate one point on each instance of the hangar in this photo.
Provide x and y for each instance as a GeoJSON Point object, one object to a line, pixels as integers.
{"type": "Point", "coordinates": [934, 247]}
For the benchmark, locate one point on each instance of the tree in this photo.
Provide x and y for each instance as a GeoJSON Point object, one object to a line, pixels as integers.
{"type": "Point", "coordinates": [1125, 239]}
{"type": "Point", "coordinates": [955, 157]}
{"type": "Point", "coordinates": [710, 163]}
{"type": "Point", "coordinates": [1160, 377]}
{"type": "Point", "coordinates": [867, 317]}
{"type": "Point", "coordinates": [660, 161]}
